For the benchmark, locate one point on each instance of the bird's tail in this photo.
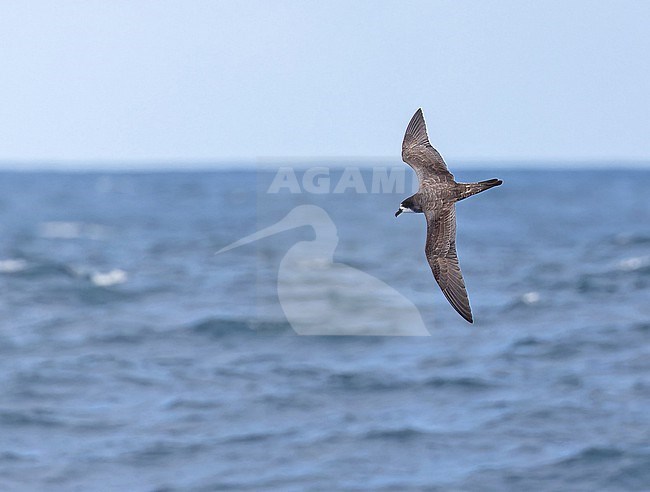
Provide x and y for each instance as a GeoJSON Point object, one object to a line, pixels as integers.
{"type": "Point", "coordinates": [469, 189]}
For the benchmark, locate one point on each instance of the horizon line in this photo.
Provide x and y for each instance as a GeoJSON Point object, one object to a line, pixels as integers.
{"type": "Point", "coordinates": [260, 164]}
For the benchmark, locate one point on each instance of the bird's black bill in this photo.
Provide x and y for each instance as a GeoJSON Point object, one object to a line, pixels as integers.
{"type": "Point", "coordinates": [398, 212]}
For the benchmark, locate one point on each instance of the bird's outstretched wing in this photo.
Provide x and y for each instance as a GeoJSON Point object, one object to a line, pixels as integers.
{"type": "Point", "coordinates": [418, 153]}
{"type": "Point", "coordinates": [443, 260]}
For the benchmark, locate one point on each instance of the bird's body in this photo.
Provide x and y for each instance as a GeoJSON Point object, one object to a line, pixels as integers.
{"type": "Point", "coordinates": [436, 198]}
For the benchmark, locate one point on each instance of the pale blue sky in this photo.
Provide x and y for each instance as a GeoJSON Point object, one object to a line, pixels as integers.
{"type": "Point", "coordinates": [215, 81]}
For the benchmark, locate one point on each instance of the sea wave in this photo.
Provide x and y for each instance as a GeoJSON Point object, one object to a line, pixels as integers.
{"type": "Point", "coordinates": [28, 418]}
{"type": "Point", "coordinates": [405, 433]}
{"type": "Point", "coordinates": [223, 327]}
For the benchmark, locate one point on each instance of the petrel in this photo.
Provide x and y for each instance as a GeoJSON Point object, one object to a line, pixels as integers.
{"type": "Point", "coordinates": [436, 199]}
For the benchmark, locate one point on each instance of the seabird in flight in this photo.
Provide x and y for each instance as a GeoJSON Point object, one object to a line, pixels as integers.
{"type": "Point", "coordinates": [436, 199]}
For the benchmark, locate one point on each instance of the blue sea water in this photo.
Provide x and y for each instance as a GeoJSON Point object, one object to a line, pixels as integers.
{"type": "Point", "coordinates": [134, 358]}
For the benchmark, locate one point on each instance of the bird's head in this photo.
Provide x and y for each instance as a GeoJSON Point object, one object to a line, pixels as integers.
{"type": "Point", "coordinates": [408, 205]}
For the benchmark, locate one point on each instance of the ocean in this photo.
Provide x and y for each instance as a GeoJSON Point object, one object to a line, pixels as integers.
{"type": "Point", "coordinates": [135, 358]}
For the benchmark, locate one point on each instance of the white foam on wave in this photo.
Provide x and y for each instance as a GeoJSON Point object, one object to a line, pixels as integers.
{"type": "Point", "coordinates": [634, 263]}
{"type": "Point", "coordinates": [531, 298]}
{"type": "Point", "coordinates": [12, 265]}
{"type": "Point", "coordinates": [113, 277]}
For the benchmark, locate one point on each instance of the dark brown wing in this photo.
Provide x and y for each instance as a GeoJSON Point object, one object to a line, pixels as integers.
{"type": "Point", "coordinates": [443, 260]}
{"type": "Point", "coordinates": [418, 153]}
